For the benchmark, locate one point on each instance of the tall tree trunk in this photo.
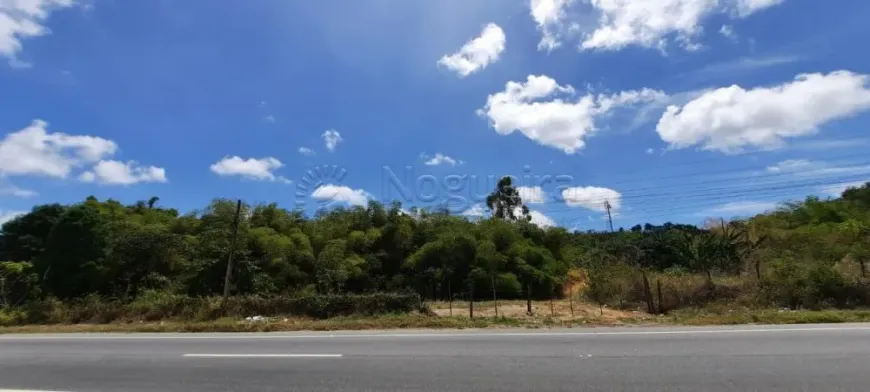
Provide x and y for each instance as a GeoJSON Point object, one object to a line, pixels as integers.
{"type": "Point", "coordinates": [758, 269]}
{"type": "Point", "coordinates": [659, 290]}
{"type": "Point", "coordinates": [647, 292]}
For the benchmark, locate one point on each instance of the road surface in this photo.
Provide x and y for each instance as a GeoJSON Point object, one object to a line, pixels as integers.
{"type": "Point", "coordinates": [760, 358]}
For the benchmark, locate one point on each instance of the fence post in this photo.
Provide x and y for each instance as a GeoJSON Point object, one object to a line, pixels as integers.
{"type": "Point", "coordinates": [450, 298]}
{"type": "Point", "coordinates": [471, 299]}
{"type": "Point", "coordinates": [571, 299]}
{"type": "Point", "coordinates": [659, 290]}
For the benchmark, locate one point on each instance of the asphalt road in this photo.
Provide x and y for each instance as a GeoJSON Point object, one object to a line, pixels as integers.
{"type": "Point", "coordinates": [763, 358]}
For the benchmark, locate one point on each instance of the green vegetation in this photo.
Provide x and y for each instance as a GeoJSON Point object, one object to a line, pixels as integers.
{"type": "Point", "coordinates": [107, 262]}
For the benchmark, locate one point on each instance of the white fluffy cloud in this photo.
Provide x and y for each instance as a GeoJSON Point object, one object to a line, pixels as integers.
{"type": "Point", "coordinates": [545, 112]}
{"type": "Point", "coordinates": [478, 53]}
{"type": "Point", "coordinates": [475, 211]}
{"type": "Point", "coordinates": [6, 216]}
{"type": "Point", "coordinates": [731, 119]}
{"type": "Point", "coordinates": [538, 218]}
{"type": "Point", "coordinates": [541, 220]}
{"type": "Point", "coordinates": [749, 7]}
{"type": "Point", "coordinates": [531, 195]}
{"type": "Point", "coordinates": [592, 198]}
{"type": "Point", "coordinates": [22, 19]}
{"type": "Point", "coordinates": [123, 173]}
{"type": "Point", "coordinates": [550, 17]}
{"type": "Point", "coordinates": [306, 151]}
{"type": "Point", "coordinates": [255, 169]}
{"type": "Point", "coordinates": [35, 151]}
{"type": "Point", "coordinates": [647, 23]}
{"type": "Point", "coordinates": [440, 159]}
{"type": "Point", "coordinates": [341, 193]}
{"type": "Point", "coordinates": [331, 138]}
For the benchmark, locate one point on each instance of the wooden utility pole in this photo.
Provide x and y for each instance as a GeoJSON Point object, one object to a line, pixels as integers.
{"type": "Point", "coordinates": [227, 276]}
{"type": "Point", "coordinates": [609, 217]}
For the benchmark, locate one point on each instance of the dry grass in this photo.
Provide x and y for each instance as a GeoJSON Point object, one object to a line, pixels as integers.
{"type": "Point", "coordinates": [560, 311]}
{"type": "Point", "coordinates": [510, 314]}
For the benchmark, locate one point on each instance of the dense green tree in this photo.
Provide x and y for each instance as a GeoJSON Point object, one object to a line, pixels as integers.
{"type": "Point", "coordinates": [505, 201]}
{"type": "Point", "coordinates": [110, 249]}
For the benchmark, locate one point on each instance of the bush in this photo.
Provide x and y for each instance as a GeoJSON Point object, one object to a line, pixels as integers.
{"type": "Point", "coordinates": [155, 306]}
{"type": "Point", "coordinates": [798, 285]}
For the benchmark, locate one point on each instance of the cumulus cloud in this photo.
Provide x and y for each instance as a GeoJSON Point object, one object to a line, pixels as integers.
{"type": "Point", "coordinates": [35, 151]}
{"type": "Point", "coordinates": [531, 195]}
{"type": "Point", "coordinates": [550, 16]}
{"type": "Point", "coordinates": [478, 53]}
{"type": "Point", "coordinates": [749, 7]}
{"type": "Point", "coordinates": [23, 19]}
{"type": "Point", "coordinates": [547, 113]}
{"type": "Point", "coordinates": [541, 220]}
{"type": "Point", "coordinates": [306, 151]}
{"type": "Point", "coordinates": [331, 138]}
{"type": "Point", "coordinates": [123, 173]}
{"type": "Point", "coordinates": [255, 169]}
{"type": "Point", "coordinates": [592, 198]}
{"type": "Point", "coordinates": [475, 211]}
{"type": "Point", "coordinates": [732, 119]}
{"type": "Point", "coordinates": [341, 193]}
{"type": "Point", "coordinates": [647, 23]}
{"type": "Point", "coordinates": [440, 159]}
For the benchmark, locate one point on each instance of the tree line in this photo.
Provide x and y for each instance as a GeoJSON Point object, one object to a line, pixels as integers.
{"type": "Point", "coordinates": [112, 250]}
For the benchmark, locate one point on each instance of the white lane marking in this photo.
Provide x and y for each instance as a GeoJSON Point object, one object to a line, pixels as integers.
{"type": "Point", "coordinates": [261, 356]}
{"type": "Point", "coordinates": [24, 390]}
{"type": "Point", "coordinates": [228, 336]}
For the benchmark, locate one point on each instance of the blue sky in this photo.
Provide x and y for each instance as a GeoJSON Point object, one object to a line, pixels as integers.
{"type": "Point", "coordinates": [667, 109]}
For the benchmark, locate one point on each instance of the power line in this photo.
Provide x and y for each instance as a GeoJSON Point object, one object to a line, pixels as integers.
{"type": "Point", "coordinates": [684, 195]}
{"type": "Point", "coordinates": [702, 200]}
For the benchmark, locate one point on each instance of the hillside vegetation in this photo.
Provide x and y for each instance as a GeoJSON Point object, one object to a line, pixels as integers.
{"type": "Point", "coordinates": [104, 261]}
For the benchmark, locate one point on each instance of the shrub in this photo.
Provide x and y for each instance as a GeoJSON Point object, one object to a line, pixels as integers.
{"type": "Point", "coordinates": [797, 285]}
{"type": "Point", "coordinates": [154, 306]}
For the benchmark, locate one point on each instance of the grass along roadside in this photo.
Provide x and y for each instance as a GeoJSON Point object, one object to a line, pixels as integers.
{"type": "Point", "coordinates": [511, 315]}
